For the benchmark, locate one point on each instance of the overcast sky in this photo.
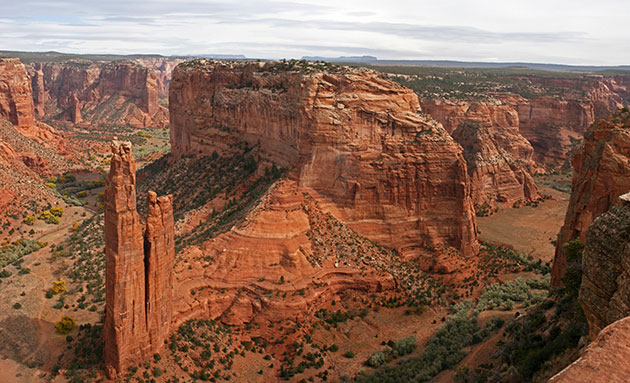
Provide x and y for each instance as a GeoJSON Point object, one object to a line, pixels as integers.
{"type": "Point", "coordinates": [551, 31]}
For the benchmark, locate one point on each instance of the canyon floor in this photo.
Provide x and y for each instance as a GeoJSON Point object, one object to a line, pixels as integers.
{"type": "Point", "coordinates": [33, 351]}
{"type": "Point", "coordinates": [531, 230]}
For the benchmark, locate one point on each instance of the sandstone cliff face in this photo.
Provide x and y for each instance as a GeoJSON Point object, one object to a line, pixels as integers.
{"type": "Point", "coordinates": [603, 361]}
{"type": "Point", "coordinates": [115, 93]}
{"type": "Point", "coordinates": [352, 136]}
{"type": "Point", "coordinates": [552, 116]}
{"type": "Point", "coordinates": [601, 174]}
{"type": "Point", "coordinates": [286, 245]}
{"type": "Point", "coordinates": [605, 290]}
{"type": "Point", "coordinates": [499, 159]}
{"type": "Point", "coordinates": [163, 68]}
{"type": "Point", "coordinates": [16, 107]}
{"type": "Point", "coordinates": [552, 124]}
{"type": "Point", "coordinates": [16, 104]}
{"type": "Point", "coordinates": [138, 276]}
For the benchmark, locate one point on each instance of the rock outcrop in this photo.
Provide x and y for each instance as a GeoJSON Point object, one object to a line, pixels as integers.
{"type": "Point", "coordinates": [102, 94]}
{"type": "Point", "coordinates": [159, 254]}
{"type": "Point", "coordinates": [355, 138]}
{"type": "Point", "coordinates": [163, 68]}
{"type": "Point", "coordinates": [553, 111]}
{"type": "Point", "coordinates": [16, 107]}
{"type": "Point", "coordinates": [23, 164]}
{"type": "Point", "coordinates": [138, 275]}
{"type": "Point", "coordinates": [605, 290]}
{"type": "Point", "coordinates": [499, 158]}
{"type": "Point", "coordinates": [553, 124]}
{"type": "Point", "coordinates": [603, 361]}
{"type": "Point", "coordinates": [287, 244]}
{"type": "Point", "coordinates": [601, 174]}
{"type": "Point", "coordinates": [16, 102]}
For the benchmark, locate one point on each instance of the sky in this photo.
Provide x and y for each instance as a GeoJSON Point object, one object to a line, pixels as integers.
{"type": "Point", "coordinates": [576, 32]}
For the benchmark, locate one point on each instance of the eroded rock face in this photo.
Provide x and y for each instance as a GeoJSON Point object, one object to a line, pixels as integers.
{"type": "Point", "coordinates": [605, 289]}
{"type": "Point", "coordinates": [163, 68]}
{"type": "Point", "coordinates": [499, 158]}
{"type": "Point", "coordinates": [159, 253]}
{"type": "Point", "coordinates": [16, 103]}
{"type": "Point", "coordinates": [285, 244]}
{"type": "Point", "coordinates": [554, 124]}
{"type": "Point", "coordinates": [603, 361]}
{"type": "Point", "coordinates": [354, 137]}
{"type": "Point", "coordinates": [138, 275]}
{"type": "Point", "coordinates": [601, 174]}
{"type": "Point", "coordinates": [16, 107]}
{"type": "Point", "coordinates": [553, 120]}
{"type": "Point", "coordinates": [114, 93]}
{"type": "Point", "coordinates": [125, 317]}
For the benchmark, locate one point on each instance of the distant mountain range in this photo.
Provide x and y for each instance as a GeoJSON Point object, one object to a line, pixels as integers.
{"type": "Point", "coordinates": [465, 64]}
{"type": "Point", "coordinates": [29, 57]}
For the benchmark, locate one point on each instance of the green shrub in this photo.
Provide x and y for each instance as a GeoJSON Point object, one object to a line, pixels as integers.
{"type": "Point", "coordinates": [377, 359]}
{"type": "Point", "coordinates": [406, 345]}
{"type": "Point", "coordinates": [65, 325]}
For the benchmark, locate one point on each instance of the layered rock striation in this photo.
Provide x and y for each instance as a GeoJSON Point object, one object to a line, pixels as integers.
{"type": "Point", "coordinates": [287, 244]}
{"type": "Point", "coordinates": [601, 174]}
{"type": "Point", "coordinates": [499, 158]}
{"type": "Point", "coordinates": [553, 114]}
{"type": "Point", "coordinates": [104, 94]}
{"type": "Point", "coordinates": [139, 272]}
{"type": "Point", "coordinates": [29, 149]}
{"type": "Point", "coordinates": [355, 138]}
{"type": "Point", "coordinates": [16, 103]}
{"type": "Point", "coordinates": [163, 68]}
{"type": "Point", "coordinates": [603, 361]}
{"type": "Point", "coordinates": [605, 290]}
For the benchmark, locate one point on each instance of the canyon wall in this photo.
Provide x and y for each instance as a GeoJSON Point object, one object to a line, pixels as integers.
{"type": "Point", "coordinates": [605, 290]}
{"type": "Point", "coordinates": [287, 244]}
{"type": "Point", "coordinates": [16, 102]}
{"type": "Point", "coordinates": [352, 136]}
{"type": "Point", "coordinates": [163, 68]}
{"type": "Point", "coordinates": [553, 114]}
{"type": "Point", "coordinates": [30, 149]}
{"type": "Point", "coordinates": [139, 276]}
{"type": "Point", "coordinates": [115, 93]}
{"type": "Point", "coordinates": [499, 158]}
{"type": "Point", "coordinates": [554, 123]}
{"type": "Point", "coordinates": [605, 360]}
{"type": "Point", "coordinates": [605, 298]}
{"type": "Point", "coordinates": [601, 174]}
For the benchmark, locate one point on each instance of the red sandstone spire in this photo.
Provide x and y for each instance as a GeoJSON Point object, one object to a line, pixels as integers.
{"type": "Point", "coordinates": [159, 258]}
{"type": "Point", "coordinates": [138, 278]}
{"type": "Point", "coordinates": [124, 313]}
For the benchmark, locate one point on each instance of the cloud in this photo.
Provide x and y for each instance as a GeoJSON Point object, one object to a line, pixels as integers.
{"type": "Point", "coordinates": [563, 31]}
